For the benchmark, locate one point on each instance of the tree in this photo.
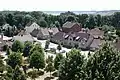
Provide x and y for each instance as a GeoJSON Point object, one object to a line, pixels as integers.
{"type": "Point", "coordinates": [18, 74]}
{"type": "Point", "coordinates": [59, 57]}
{"type": "Point", "coordinates": [14, 74]}
{"type": "Point", "coordinates": [50, 66]}
{"type": "Point", "coordinates": [71, 68]}
{"type": "Point", "coordinates": [118, 32]}
{"type": "Point", "coordinates": [2, 66]}
{"type": "Point", "coordinates": [104, 64]}
{"type": "Point", "coordinates": [27, 47]}
{"type": "Point", "coordinates": [42, 23]}
{"type": "Point", "coordinates": [47, 44]}
{"type": "Point", "coordinates": [17, 46]}
{"type": "Point", "coordinates": [14, 59]}
{"type": "Point", "coordinates": [90, 23]}
{"type": "Point", "coordinates": [59, 47]}
{"type": "Point", "coordinates": [71, 18]}
{"type": "Point", "coordinates": [9, 74]}
{"type": "Point", "coordinates": [37, 60]}
{"type": "Point", "coordinates": [8, 51]}
{"type": "Point", "coordinates": [37, 47]}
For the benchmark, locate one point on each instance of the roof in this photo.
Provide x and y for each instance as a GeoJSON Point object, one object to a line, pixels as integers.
{"type": "Point", "coordinates": [24, 38]}
{"type": "Point", "coordinates": [53, 30]}
{"type": "Point", "coordinates": [95, 43]}
{"type": "Point", "coordinates": [69, 24]}
{"type": "Point", "coordinates": [22, 32]}
{"type": "Point", "coordinates": [96, 32]}
{"type": "Point", "coordinates": [32, 27]}
{"type": "Point", "coordinates": [44, 31]}
{"type": "Point", "coordinates": [62, 35]}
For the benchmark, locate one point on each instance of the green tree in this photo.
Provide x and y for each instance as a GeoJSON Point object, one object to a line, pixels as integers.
{"type": "Point", "coordinates": [42, 23]}
{"type": "Point", "coordinates": [59, 47]}
{"type": "Point", "coordinates": [104, 64]}
{"type": "Point", "coordinates": [8, 51]}
{"type": "Point", "coordinates": [47, 44]}
{"type": "Point", "coordinates": [90, 23]}
{"type": "Point", "coordinates": [71, 68]}
{"type": "Point", "coordinates": [14, 59]}
{"type": "Point", "coordinates": [9, 74]}
{"type": "Point", "coordinates": [17, 46]}
{"type": "Point", "coordinates": [59, 57]}
{"type": "Point", "coordinates": [27, 47]}
{"type": "Point", "coordinates": [50, 66]}
{"type": "Point", "coordinates": [37, 60]}
{"type": "Point", "coordinates": [37, 47]}
{"type": "Point", "coordinates": [18, 74]}
{"type": "Point", "coordinates": [2, 66]}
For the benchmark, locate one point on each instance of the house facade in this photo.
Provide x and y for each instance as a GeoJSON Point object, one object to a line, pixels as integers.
{"type": "Point", "coordinates": [82, 41]}
{"type": "Point", "coordinates": [71, 27]}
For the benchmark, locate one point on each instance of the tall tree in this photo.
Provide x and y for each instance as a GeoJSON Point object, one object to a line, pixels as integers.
{"type": "Point", "coordinates": [104, 64]}
{"type": "Point", "coordinates": [14, 59]}
{"type": "Point", "coordinates": [47, 44]}
{"type": "Point", "coordinates": [37, 60]}
{"type": "Point", "coordinates": [27, 47]}
{"type": "Point", "coordinates": [50, 66]}
{"type": "Point", "coordinates": [17, 46]}
{"type": "Point", "coordinates": [71, 68]}
{"type": "Point", "coordinates": [59, 57]}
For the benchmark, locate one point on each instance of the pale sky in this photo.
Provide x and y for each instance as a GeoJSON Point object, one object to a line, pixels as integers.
{"type": "Point", "coordinates": [59, 5]}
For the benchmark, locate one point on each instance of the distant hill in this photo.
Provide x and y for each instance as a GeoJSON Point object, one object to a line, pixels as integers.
{"type": "Point", "coordinates": [106, 12]}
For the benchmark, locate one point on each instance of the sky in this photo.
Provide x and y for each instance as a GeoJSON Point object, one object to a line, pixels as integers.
{"type": "Point", "coordinates": [59, 5]}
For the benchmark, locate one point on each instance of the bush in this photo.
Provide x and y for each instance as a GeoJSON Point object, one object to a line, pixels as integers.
{"type": "Point", "coordinates": [55, 74]}
{"type": "Point", "coordinates": [40, 73]}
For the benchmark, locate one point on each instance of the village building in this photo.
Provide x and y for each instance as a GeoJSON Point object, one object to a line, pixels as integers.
{"type": "Point", "coordinates": [44, 33]}
{"type": "Point", "coordinates": [97, 33]}
{"type": "Point", "coordinates": [23, 36]}
{"type": "Point", "coordinates": [71, 27]}
{"type": "Point", "coordinates": [30, 28]}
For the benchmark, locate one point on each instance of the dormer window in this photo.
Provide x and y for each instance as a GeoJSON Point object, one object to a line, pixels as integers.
{"type": "Point", "coordinates": [77, 38]}
{"type": "Point", "coordinates": [66, 36]}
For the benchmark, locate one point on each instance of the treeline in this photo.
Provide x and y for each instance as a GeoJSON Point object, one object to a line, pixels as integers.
{"type": "Point", "coordinates": [18, 18]}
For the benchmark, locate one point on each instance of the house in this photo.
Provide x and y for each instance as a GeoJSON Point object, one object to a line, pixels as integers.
{"type": "Point", "coordinates": [79, 40]}
{"type": "Point", "coordinates": [71, 27]}
{"type": "Point", "coordinates": [97, 33]}
{"type": "Point", "coordinates": [30, 28]}
{"type": "Point", "coordinates": [23, 38]}
{"type": "Point", "coordinates": [44, 33]}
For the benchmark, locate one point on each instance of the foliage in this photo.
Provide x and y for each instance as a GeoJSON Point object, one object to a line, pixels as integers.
{"type": "Point", "coordinates": [50, 66]}
{"type": "Point", "coordinates": [104, 64]}
{"type": "Point", "coordinates": [59, 47]}
{"type": "Point", "coordinates": [118, 32]}
{"type": "Point", "coordinates": [47, 44]}
{"type": "Point", "coordinates": [59, 57]}
{"type": "Point", "coordinates": [37, 60]}
{"type": "Point", "coordinates": [17, 46]}
{"type": "Point", "coordinates": [27, 47]}
{"type": "Point", "coordinates": [14, 59]}
{"type": "Point", "coordinates": [2, 66]}
{"type": "Point", "coordinates": [37, 47]}
{"type": "Point", "coordinates": [18, 74]}
{"type": "Point", "coordinates": [71, 68]}
{"type": "Point", "coordinates": [33, 74]}
{"type": "Point", "coordinates": [8, 51]}
{"type": "Point", "coordinates": [42, 23]}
